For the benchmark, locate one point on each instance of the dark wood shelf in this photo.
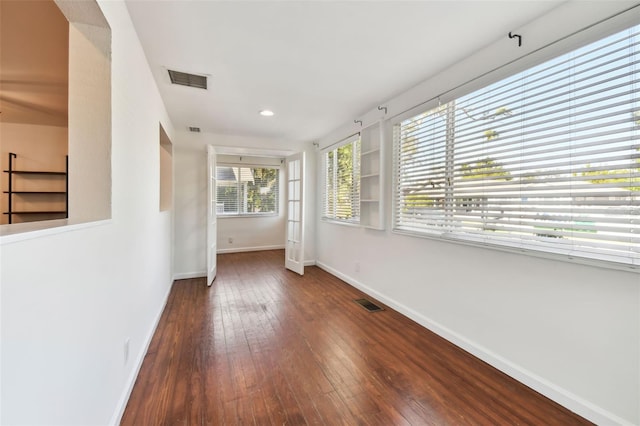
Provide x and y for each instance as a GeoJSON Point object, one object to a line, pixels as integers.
{"type": "Point", "coordinates": [39, 212]}
{"type": "Point", "coordinates": [34, 192]}
{"type": "Point", "coordinates": [13, 173]}
{"type": "Point", "coordinates": [35, 172]}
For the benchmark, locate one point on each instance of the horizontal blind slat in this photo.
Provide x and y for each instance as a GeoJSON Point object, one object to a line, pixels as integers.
{"type": "Point", "coordinates": [549, 157]}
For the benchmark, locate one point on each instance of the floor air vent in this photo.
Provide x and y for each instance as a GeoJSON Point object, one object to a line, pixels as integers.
{"type": "Point", "coordinates": [369, 305]}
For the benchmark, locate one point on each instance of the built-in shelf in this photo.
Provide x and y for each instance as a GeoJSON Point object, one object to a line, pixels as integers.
{"type": "Point", "coordinates": [43, 199]}
{"type": "Point", "coordinates": [370, 152]}
{"type": "Point", "coordinates": [371, 178]}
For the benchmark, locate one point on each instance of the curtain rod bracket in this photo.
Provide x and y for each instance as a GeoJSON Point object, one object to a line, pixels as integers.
{"type": "Point", "coordinates": [380, 108]}
{"type": "Point", "coordinates": [519, 37]}
{"type": "Point", "coordinates": [358, 121]}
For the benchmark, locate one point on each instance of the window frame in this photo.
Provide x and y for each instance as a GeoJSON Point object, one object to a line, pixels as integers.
{"type": "Point", "coordinates": [279, 194]}
{"type": "Point", "coordinates": [477, 84]}
{"type": "Point", "coordinates": [356, 142]}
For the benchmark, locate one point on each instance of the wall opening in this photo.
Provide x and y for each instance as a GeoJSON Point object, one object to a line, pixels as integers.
{"type": "Point", "coordinates": [55, 109]}
{"type": "Point", "coordinates": [33, 110]}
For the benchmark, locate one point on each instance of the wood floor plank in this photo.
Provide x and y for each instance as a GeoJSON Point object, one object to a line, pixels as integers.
{"type": "Point", "coordinates": [265, 346]}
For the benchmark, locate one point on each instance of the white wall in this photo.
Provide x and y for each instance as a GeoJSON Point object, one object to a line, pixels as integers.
{"type": "Point", "coordinates": [71, 296]}
{"type": "Point", "coordinates": [247, 233]}
{"type": "Point", "coordinates": [251, 233]}
{"type": "Point", "coordinates": [190, 209]}
{"type": "Point", "coordinates": [90, 123]}
{"type": "Point", "coordinates": [569, 330]}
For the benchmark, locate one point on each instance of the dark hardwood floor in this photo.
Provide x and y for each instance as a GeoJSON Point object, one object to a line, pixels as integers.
{"type": "Point", "coordinates": [264, 346]}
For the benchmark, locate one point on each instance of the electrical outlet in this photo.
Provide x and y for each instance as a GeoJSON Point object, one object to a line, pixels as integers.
{"type": "Point", "coordinates": [126, 350]}
{"type": "Point", "coordinates": [230, 240]}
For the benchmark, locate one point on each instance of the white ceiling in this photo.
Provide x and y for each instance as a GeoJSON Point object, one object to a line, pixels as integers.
{"type": "Point", "coordinates": [316, 64]}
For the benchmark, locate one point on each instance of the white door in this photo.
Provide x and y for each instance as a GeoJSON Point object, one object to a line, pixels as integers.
{"type": "Point", "coordinates": [212, 225]}
{"type": "Point", "coordinates": [294, 250]}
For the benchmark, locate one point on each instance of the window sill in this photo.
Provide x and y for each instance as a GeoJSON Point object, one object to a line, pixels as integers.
{"type": "Point", "coordinates": [27, 231]}
{"type": "Point", "coordinates": [526, 251]}
{"type": "Point", "coordinates": [341, 222]}
{"type": "Point", "coordinates": [240, 216]}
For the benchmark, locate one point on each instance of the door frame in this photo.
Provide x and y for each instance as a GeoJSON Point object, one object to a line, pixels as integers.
{"type": "Point", "coordinates": [212, 216]}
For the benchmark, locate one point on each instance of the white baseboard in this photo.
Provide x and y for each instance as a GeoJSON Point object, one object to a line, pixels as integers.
{"type": "Point", "coordinates": [188, 275]}
{"type": "Point", "coordinates": [309, 263]}
{"type": "Point", "coordinates": [243, 249]}
{"type": "Point", "coordinates": [556, 393]}
{"type": "Point", "coordinates": [131, 381]}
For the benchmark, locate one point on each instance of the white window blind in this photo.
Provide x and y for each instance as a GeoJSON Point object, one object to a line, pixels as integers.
{"type": "Point", "coordinates": [341, 171]}
{"type": "Point", "coordinates": [548, 159]}
{"type": "Point", "coordinates": [245, 190]}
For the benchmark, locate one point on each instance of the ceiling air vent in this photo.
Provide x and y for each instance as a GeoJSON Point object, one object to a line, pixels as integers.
{"type": "Point", "coordinates": [194, 129]}
{"type": "Point", "coordinates": [185, 79]}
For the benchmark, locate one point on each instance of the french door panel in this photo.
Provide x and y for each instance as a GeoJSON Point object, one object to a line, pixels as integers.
{"type": "Point", "coordinates": [294, 249]}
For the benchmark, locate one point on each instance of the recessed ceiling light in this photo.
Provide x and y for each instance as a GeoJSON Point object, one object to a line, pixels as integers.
{"type": "Point", "coordinates": [266, 113]}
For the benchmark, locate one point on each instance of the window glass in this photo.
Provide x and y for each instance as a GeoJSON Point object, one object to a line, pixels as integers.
{"type": "Point", "coordinates": [548, 159]}
{"type": "Point", "coordinates": [341, 167]}
{"type": "Point", "coordinates": [247, 190]}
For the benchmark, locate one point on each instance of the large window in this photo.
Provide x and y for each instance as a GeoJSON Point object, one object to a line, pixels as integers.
{"type": "Point", "coordinates": [247, 190]}
{"type": "Point", "coordinates": [341, 171]}
{"type": "Point", "coordinates": [548, 159]}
